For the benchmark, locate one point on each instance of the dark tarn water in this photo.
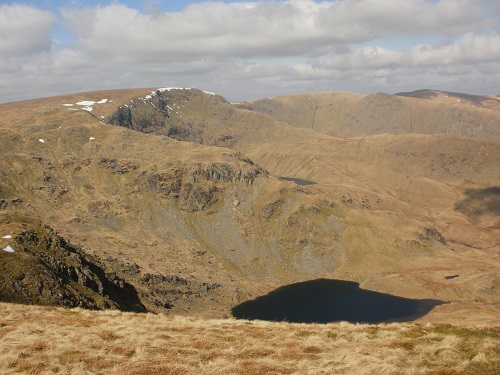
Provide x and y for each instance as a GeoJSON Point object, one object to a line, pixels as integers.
{"type": "Point", "coordinates": [325, 301]}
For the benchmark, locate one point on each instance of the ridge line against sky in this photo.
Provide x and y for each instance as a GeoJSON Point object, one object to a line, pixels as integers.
{"type": "Point", "coordinates": [249, 49]}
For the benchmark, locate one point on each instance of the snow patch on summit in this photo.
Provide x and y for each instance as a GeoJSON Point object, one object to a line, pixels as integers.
{"type": "Point", "coordinates": [163, 89]}
{"type": "Point", "coordinates": [86, 105]}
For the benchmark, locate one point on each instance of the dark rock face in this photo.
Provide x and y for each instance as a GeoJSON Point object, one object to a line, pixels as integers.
{"type": "Point", "coordinates": [199, 197]}
{"type": "Point", "coordinates": [122, 117]}
{"type": "Point", "coordinates": [48, 270]}
{"type": "Point", "coordinates": [152, 115]}
{"type": "Point", "coordinates": [141, 115]}
{"type": "Point", "coordinates": [189, 134]}
{"type": "Point", "coordinates": [167, 183]}
{"type": "Point", "coordinates": [199, 186]}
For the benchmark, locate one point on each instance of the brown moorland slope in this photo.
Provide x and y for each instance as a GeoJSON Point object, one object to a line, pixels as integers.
{"type": "Point", "coordinates": [185, 224]}
{"type": "Point", "coordinates": [53, 340]}
{"type": "Point", "coordinates": [391, 193]}
{"type": "Point", "coordinates": [196, 229]}
{"type": "Point", "coordinates": [351, 115]}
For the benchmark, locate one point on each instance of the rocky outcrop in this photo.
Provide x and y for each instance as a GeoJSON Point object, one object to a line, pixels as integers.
{"type": "Point", "coordinates": [190, 133]}
{"type": "Point", "coordinates": [431, 233]}
{"type": "Point", "coordinates": [4, 203]}
{"type": "Point", "coordinates": [198, 186]}
{"type": "Point", "coordinates": [152, 115]}
{"type": "Point", "coordinates": [142, 115]}
{"type": "Point", "coordinates": [165, 292]}
{"type": "Point", "coordinates": [269, 209]}
{"type": "Point", "coordinates": [117, 166]}
{"type": "Point", "coordinates": [199, 197]}
{"type": "Point", "coordinates": [160, 113]}
{"type": "Point", "coordinates": [425, 237]}
{"type": "Point", "coordinates": [47, 270]}
{"type": "Point", "coordinates": [244, 174]}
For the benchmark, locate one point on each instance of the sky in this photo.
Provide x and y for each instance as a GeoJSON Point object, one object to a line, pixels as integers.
{"type": "Point", "coordinates": [246, 50]}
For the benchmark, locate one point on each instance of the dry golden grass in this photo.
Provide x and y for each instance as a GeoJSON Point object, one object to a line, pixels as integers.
{"type": "Point", "coordinates": [41, 340]}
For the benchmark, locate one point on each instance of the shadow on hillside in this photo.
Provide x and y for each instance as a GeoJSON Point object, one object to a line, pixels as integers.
{"type": "Point", "coordinates": [429, 94]}
{"type": "Point", "coordinates": [479, 202]}
{"type": "Point", "coordinates": [298, 181]}
{"type": "Point", "coordinates": [420, 94]}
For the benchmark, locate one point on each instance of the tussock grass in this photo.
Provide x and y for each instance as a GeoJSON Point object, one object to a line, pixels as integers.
{"type": "Point", "coordinates": [39, 340]}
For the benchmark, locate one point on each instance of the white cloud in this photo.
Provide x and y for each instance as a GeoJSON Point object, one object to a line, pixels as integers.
{"type": "Point", "coordinates": [254, 48]}
{"type": "Point", "coordinates": [24, 30]}
{"type": "Point", "coordinates": [468, 49]}
{"type": "Point", "coordinates": [294, 27]}
{"type": "Point", "coordinates": [212, 28]}
{"type": "Point", "coordinates": [472, 58]}
{"type": "Point", "coordinates": [409, 17]}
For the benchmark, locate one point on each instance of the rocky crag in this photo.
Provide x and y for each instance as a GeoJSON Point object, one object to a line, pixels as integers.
{"type": "Point", "coordinates": [45, 269]}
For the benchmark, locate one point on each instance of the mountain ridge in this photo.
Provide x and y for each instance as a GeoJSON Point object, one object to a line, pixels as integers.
{"type": "Point", "coordinates": [353, 115]}
{"type": "Point", "coordinates": [214, 217]}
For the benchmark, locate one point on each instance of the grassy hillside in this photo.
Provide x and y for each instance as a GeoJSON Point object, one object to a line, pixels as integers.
{"type": "Point", "coordinates": [193, 201]}
{"type": "Point", "coordinates": [351, 115]}
{"type": "Point", "coordinates": [387, 192]}
{"type": "Point", "coordinates": [38, 340]}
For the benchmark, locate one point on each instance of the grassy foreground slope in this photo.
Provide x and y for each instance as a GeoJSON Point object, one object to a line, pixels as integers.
{"type": "Point", "coordinates": [41, 340]}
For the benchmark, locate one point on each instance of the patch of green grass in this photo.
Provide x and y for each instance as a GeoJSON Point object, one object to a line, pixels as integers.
{"type": "Point", "coordinates": [312, 350]}
{"type": "Point", "coordinates": [332, 335]}
{"type": "Point", "coordinates": [483, 368]}
{"type": "Point", "coordinates": [462, 332]}
{"type": "Point", "coordinates": [304, 333]}
{"type": "Point", "coordinates": [470, 340]}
